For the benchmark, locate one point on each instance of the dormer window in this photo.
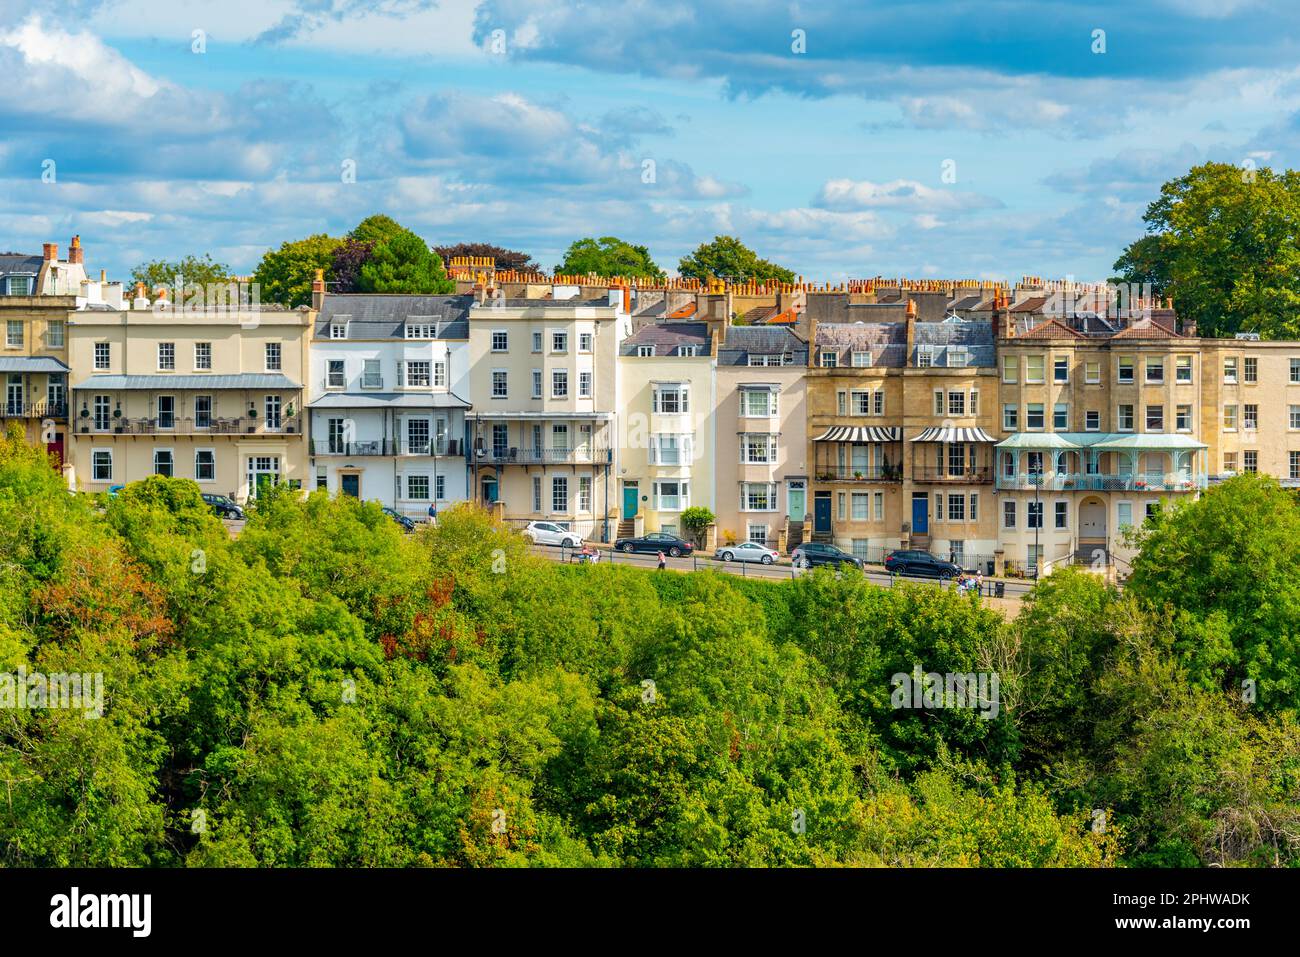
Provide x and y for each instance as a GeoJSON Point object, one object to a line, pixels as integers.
{"type": "Point", "coordinates": [20, 285]}
{"type": "Point", "coordinates": [958, 357]}
{"type": "Point", "coordinates": [924, 357]}
{"type": "Point", "coordinates": [338, 330]}
{"type": "Point", "coordinates": [861, 359]}
{"type": "Point", "coordinates": [688, 350]}
{"type": "Point", "coordinates": [645, 352]}
{"type": "Point", "coordinates": [422, 330]}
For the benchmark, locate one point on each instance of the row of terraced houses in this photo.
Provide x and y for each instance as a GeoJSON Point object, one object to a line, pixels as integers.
{"type": "Point", "coordinates": [1011, 428]}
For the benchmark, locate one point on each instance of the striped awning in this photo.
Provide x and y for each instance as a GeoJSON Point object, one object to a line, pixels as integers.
{"type": "Point", "coordinates": [857, 433]}
{"type": "Point", "coordinates": [946, 434]}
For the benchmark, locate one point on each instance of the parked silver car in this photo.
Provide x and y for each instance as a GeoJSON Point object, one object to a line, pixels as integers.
{"type": "Point", "coordinates": [548, 533]}
{"type": "Point", "coordinates": [747, 552]}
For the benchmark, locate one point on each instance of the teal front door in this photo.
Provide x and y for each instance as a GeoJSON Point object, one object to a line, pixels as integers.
{"type": "Point", "coordinates": [921, 514]}
{"type": "Point", "coordinates": [796, 506]}
{"type": "Point", "coordinates": [630, 493]}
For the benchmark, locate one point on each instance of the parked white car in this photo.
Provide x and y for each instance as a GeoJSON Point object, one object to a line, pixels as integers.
{"type": "Point", "coordinates": [548, 533]}
{"type": "Point", "coordinates": [747, 552]}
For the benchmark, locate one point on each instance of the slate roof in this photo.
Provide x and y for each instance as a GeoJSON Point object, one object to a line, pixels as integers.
{"type": "Point", "coordinates": [666, 337]}
{"type": "Point", "coordinates": [741, 341]}
{"type": "Point", "coordinates": [886, 341]}
{"type": "Point", "coordinates": [19, 264]}
{"type": "Point", "coordinates": [384, 317]}
{"type": "Point", "coordinates": [975, 335]}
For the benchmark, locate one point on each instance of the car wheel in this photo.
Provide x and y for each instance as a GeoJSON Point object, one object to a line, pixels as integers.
{"type": "Point", "coordinates": [944, 576]}
{"type": "Point", "coordinates": [675, 552]}
{"type": "Point", "coordinates": [766, 559]}
{"type": "Point", "coordinates": [804, 563]}
{"type": "Point", "coordinates": [727, 557]}
{"type": "Point", "coordinates": [567, 543]}
{"type": "Point", "coordinates": [627, 547]}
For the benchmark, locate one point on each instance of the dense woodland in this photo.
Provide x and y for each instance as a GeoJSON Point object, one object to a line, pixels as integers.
{"type": "Point", "coordinates": [326, 691]}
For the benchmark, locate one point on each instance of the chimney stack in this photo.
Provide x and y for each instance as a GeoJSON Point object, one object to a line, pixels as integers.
{"type": "Point", "coordinates": [75, 254]}
{"type": "Point", "coordinates": [996, 320]}
{"type": "Point", "coordinates": [51, 252]}
{"type": "Point", "coordinates": [909, 320]}
{"type": "Point", "coordinates": [318, 291]}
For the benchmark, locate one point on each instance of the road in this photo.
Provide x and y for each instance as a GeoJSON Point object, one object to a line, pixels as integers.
{"type": "Point", "coordinates": [782, 572]}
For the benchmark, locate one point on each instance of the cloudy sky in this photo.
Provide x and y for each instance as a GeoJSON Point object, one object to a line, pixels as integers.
{"type": "Point", "coordinates": [932, 138]}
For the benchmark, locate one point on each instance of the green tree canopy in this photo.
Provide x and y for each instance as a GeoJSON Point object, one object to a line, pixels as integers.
{"type": "Point", "coordinates": [286, 274]}
{"type": "Point", "coordinates": [726, 257]}
{"type": "Point", "coordinates": [404, 263]}
{"type": "Point", "coordinates": [1226, 563]}
{"type": "Point", "coordinates": [203, 270]}
{"type": "Point", "coordinates": [607, 257]}
{"type": "Point", "coordinates": [1224, 242]}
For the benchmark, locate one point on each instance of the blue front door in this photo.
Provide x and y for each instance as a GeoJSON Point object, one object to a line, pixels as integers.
{"type": "Point", "coordinates": [921, 514]}
{"type": "Point", "coordinates": [822, 514]}
{"type": "Point", "coordinates": [629, 500]}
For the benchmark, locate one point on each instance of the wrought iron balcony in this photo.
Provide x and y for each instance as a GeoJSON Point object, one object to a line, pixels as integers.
{"type": "Point", "coordinates": [979, 475]}
{"type": "Point", "coordinates": [185, 425]}
{"type": "Point", "coordinates": [516, 456]}
{"type": "Point", "coordinates": [41, 409]}
{"type": "Point", "coordinates": [859, 473]}
{"type": "Point", "coordinates": [1105, 482]}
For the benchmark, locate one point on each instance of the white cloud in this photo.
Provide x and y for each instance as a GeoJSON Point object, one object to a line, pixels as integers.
{"type": "Point", "coordinates": [901, 194]}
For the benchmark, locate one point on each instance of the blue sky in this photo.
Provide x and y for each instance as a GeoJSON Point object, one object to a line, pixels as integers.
{"type": "Point", "coordinates": [819, 132]}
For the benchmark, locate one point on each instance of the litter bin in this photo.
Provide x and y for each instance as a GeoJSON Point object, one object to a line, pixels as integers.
{"type": "Point", "coordinates": [999, 589]}
{"type": "Point", "coordinates": [989, 570]}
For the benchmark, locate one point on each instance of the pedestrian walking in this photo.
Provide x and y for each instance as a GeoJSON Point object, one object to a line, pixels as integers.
{"type": "Point", "coordinates": [433, 513]}
{"type": "Point", "coordinates": [663, 562]}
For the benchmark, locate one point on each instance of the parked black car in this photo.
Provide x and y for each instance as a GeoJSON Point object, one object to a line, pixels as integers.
{"type": "Point", "coordinates": [223, 506]}
{"type": "Point", "coordinates": [916, 562]}
{"type": "Point", "coordinates": [655, 542]}
{"type": "Point", "coordinates": [811, 554]}
{"type": "Point", "coordinates": [408, 524]}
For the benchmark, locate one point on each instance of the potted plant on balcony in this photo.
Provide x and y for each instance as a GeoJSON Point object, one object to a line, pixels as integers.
{"type": "Point", "coordinates": [1140, 484]}
{"type": "Point", "coordinates": [118, 427]}
{"type": "Point", "coordinates": [857, 474]}
{"type": "Point", "coordinates": [252, 414]}
{"type": "Point", "coordinates": [85, 414]}
{"type": "Point", "coordinates": [289, 424]}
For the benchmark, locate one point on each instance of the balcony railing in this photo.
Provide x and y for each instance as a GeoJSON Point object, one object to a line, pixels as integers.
{"type": "Point", "coordinates": [980, 475]}
{"type": "Point", "coordinates": [178, 425]}
{"type": "Point", "coordinates": [338, 446]}
{"type": "Point", "coordinates": [360, 447]}
{"type": "Point", "coordinates": [514, 456]}
{"type": "Point", "coordinates": [860, 473]}
{"type": "Point", "coordinates": [1135, 482]}
{"type": "Point", "coordinates": [41, 409]}
{"type": "Point", "coordinates": [429, 447]}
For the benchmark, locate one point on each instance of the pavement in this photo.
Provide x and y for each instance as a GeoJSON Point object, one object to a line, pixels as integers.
{"type": "Point", "coordinates": [783, 571]}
